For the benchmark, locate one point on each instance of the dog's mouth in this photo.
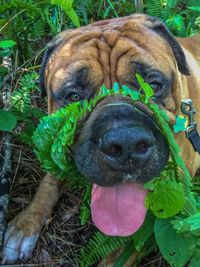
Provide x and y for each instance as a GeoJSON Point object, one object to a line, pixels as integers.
{"type": "Point", "coordinates": [118, 210]}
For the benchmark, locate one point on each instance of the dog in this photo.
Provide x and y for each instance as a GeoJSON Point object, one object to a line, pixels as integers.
{"type": "Point", "coordinates": [119, 147]}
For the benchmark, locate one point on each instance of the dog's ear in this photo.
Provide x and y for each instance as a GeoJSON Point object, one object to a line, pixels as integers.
{"type": "Point", "coordinates": [49, 51]}
{"type": "Point", "coordinates": [159, 27]}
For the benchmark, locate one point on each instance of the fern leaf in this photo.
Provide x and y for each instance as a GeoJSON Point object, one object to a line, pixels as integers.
{"type": "Point", "coordinates": [99, 247]}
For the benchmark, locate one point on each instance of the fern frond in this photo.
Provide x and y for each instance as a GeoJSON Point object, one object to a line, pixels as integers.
{"type": "Point", "coordinates": [99, 247]}
{"type": "Point", "coordinates": [22, 107]}
{"type": "Point", "coordinates": [154, 8]}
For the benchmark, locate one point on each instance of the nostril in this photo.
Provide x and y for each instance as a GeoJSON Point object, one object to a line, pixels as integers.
{"type": "Point", "coordinates": [114, 151]}
{"type": "Point", "coordinates": [141, 148]}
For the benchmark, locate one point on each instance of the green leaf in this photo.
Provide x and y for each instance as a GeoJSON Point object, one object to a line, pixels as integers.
{"type": "Point", "coordinates": [140, 80]}
{"type": "Point", "coordinates": [148, 91]}
{"type": "Point", "coordinates": [6, 52]}
{"type": "Point", "coordinates": [67, 7]}
{"type": "Point", "coordinates": [180, 124]}
{"type": "Point", "coordinates": [7, 43]}
{"type": "Point", "coordinates": [65, 4]}
{"type": "Point", "coordinates": [106, 12]}
{"type": "Point", "coordinates": [189, 224]}
{"type": "Point", "coordinates": [73, 16]}
{"type": "Point", "coordinates": [125, 255]}
{"type": "Point", "coordinates": [194, 262]}
{"type": "Point", "coordinates": [146, 87]}
{"type": "Point", "coordinates": [8, 120]}
{"type": "Point", "coordinates": [85, 208]}
{"type": "Point", "coordinates": [196, 8]}
{"type": "Point", "coordinates": [144, 232]}
{"type": "Point", "coordinates": [116, 87]}
{"type": "Point", "coordinates": [175, 248]}
{"type": "Point", "coordinates": [166, 200]}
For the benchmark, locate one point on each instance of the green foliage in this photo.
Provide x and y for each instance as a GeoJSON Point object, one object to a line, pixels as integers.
{"type": "Point", "coordinates": [166, 200]}
{"type": "Point", "coordinates": [26, 14]}
{"type": "Point", "coordinates": [67, 7]}
{"type": "Point", "coordinates": [179, 15]}
{"type": "Point", "coordinates": [159, 8]}
{"type": "Point", "coordinates": [85, 208]}
{"type": "Point", "coordinates": [22, 108]}
{"type": "Point", "coordinates": [148, 91]}
{"type": "Point", "coordinates": [177, 249]}
{"type": "Point", "coordinates": [144, 232]}
{"type": "Point", "coordinates": [92, 10]}
{"type": "Point", "coordinates": [90, 255]}
{"type": "Point", "coordinates": [7, 120]}
{"type": "Point", "coordinates": [7, 43]}
{"type": "Point", "coordinates": [99, 247]}
{"type": "Point", "coordinates": [194, 262]}
{"type": "Point", "coordinates": [125, 255]}
{"type": "Point", "coordinates": [27, 22]}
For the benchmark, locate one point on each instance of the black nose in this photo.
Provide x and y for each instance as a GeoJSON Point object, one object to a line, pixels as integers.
{"type": "Point", "coordinates": [125, 143]}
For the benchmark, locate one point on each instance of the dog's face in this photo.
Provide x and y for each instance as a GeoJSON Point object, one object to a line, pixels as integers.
{"type": "Point", "coordinates": [119, 147]}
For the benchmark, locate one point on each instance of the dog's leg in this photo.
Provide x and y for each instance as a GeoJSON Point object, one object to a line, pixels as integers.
{"type": "Point", "coordinates": [24, 229]}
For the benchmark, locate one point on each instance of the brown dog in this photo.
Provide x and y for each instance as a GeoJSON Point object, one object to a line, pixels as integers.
{"type": "Point", "coordinates": [118, 148]}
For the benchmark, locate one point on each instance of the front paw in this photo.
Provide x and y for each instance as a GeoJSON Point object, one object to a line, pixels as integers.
{"type": "Point", "coordinates": [20, 238]}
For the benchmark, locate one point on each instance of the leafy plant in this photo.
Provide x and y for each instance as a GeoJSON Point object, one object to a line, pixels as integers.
{"type": "Point", "coordinates": [92, 10]}
{"type": "Point", "coordinates": [180, 16]}
{"type": "Point", "coordinates": [99, 247]}
{"type": "Point", "coordinates": [67, 7]}
{"type": "Point", "coordinates": [27, 22]}
{"type": "Point", "coordinates": [22, 108]}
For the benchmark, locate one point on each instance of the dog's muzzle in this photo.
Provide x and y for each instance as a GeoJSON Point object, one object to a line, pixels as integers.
{"type": "Point", "coordinates": [122, 142]}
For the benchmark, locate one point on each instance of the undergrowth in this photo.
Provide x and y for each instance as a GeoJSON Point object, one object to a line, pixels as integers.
{"type": "Point", "coordinates": [22, 107]}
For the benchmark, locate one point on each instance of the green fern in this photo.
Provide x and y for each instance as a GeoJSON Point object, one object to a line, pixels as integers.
{"type": "Point", "coordinates": [177, 15]}
{"type": "Point", "coordinates": [28, 21]}
{"type": "Point", "coordinates": [99, 247]}
{"type": "Point", "coordinates": [23, 110]}
{"type": "Point", "coordinates": [153, 8]}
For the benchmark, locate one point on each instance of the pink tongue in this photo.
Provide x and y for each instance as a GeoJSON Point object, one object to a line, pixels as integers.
{"type": "Point", "coordinates": [118, 210]}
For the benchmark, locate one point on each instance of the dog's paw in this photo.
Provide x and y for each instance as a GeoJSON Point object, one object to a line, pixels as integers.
{"type": "Point", "coordinates": [20, 238]}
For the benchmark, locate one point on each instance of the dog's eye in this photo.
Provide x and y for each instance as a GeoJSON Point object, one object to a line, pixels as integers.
{"type": "Point", "coordinates": [155, 86]}
{"type": "Point", "coordinates": [74, 97]}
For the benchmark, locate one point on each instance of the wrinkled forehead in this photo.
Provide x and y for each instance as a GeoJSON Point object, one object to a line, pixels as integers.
{"type": "Point", "coordinates": [107, 53]}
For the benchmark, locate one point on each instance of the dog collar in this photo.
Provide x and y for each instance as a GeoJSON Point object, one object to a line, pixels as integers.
{"type": "Point", "coordinates": [192, 134]}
